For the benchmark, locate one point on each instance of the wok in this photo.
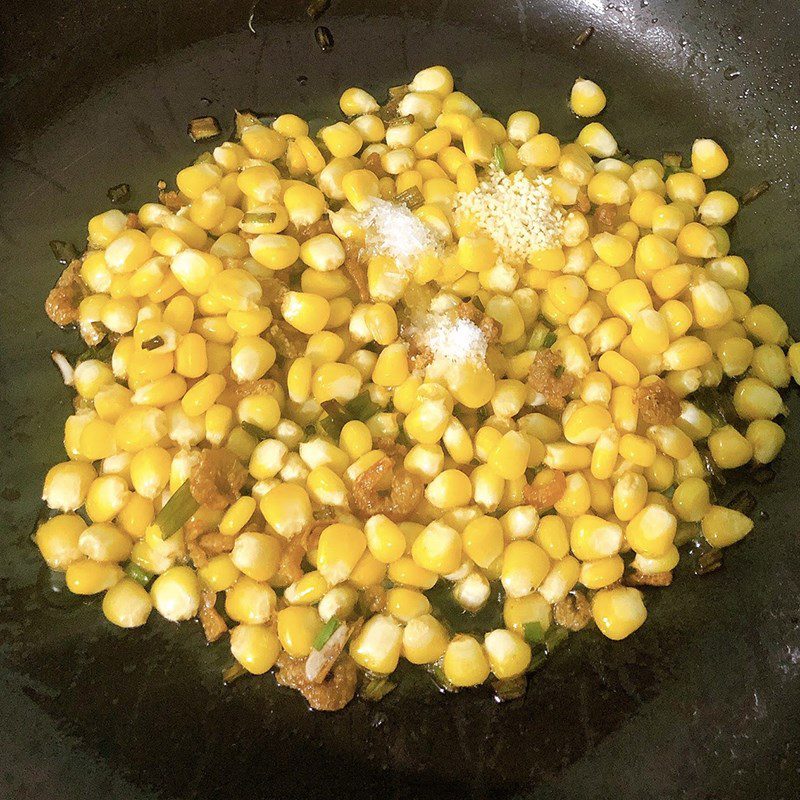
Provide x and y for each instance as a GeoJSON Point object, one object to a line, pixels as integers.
{"type": "Point", "coordinates": [701, 703]}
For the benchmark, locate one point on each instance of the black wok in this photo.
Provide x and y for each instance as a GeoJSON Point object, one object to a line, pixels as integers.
{"type": "Point", "coordinates": [701, 703]}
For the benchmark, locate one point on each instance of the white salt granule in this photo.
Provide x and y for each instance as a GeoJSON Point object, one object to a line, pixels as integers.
{"type": "Point", "coordinates": [392, 230]}
{"type": "Point", "coordinates": [455, 341]}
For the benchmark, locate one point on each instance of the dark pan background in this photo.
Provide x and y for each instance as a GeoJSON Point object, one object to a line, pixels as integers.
{"type": "Point", "coordinates": [701, 703]}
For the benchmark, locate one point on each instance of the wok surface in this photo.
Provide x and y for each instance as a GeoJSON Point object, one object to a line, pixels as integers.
{"type": "Point", "coordinates": [703, 702]}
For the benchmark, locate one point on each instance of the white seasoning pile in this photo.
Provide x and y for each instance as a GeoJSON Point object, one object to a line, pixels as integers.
{"type": "Point", "coordinates": [518, 213]}
{"type": "Point", "coordinates": [392, 230]}
{"type": "Point", "coordinates": [454, 341]}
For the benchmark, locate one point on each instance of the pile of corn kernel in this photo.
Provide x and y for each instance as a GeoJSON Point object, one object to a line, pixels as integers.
{"type": "Point", "coordinates": [194, 295]}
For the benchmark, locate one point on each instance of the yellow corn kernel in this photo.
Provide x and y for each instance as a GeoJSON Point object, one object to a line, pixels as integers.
{"type": "Point", "coordinates": [340, 548]}
{"type": "Point", "coordinates": [618, 612]}
{"type": "Point", "coordinates": [199, 399]}
{"type": "Point", "coordinates": [601, 572]}
{"type": "Point", "coordinates": [377, 646]}
{"type": "Point", "coordinates": [586, 98]}
{"type": "Point", "coordinates": [306, 591]}
{"type": "Point", "coordinates": [58, 540]}
{"type": "Point", "coordinates": [724, 526]}
{"type": "Point", "coordinates": [127, 604]}
{"type": "Point", "coordinates": [766, 439]}
{"type": "Point", "coordinates": [652, 531]}
{"type": "Point", "coordinates": [219, 574]}
{"type": "Point", "coordinates": [691, 500]}
{"type": "Point", "coordinates": [287, 509]}
{"type": "Point", "coordinates": [176, 594]}
{"type": "Point", "coordinates": [406, 572]}
{"type": "Point", "coordinates": [298, 626]}
{"type": "Point", "coordinates": [424, 640]}
{"type": "Point", "coordinates": [67, 485]}
{"type": "Point", "coordinates": [729, 448]}
{"type": "Point", "coordinates": [465, 662]}
{"type": "Point", "coordinates": [708, 159]}
{"type": "Point", "coordinates": [754, 399]}
{"type": "Point", "coordinates": [524, 567]}
{"type": "Point", "coordinates": [255, 647]}
{"type": "Point", "coordinates": [437, 548]}
{"type": "Point", "coordinates": [766, 325]}
{"type": "Point", "coordinates": [629, 496]}
{"type": "Point", "coordinates": [406, 604]}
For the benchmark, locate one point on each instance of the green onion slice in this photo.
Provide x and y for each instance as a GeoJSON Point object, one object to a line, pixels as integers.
{"type": "Point", "coordinates": [326, 632]}
{"type": "Point", "coordinates": [177, 510]}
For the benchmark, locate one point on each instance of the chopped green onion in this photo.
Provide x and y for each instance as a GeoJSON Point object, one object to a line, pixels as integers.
{"type": "Point", "coordinates": [361, 407]}
{"type": "Point", "coordinates": [101, 352]}
{"type": "Point", "coordinates": [583, 37]}
{"type": "Point", "coordinates": [559, 371]}
{"type": "Point", "coordinates": [755, 192]}
{"type": "Point", "coordinates": [316, 8]}
{"type": "Point", "coordinates": [478, 303]}
{"type": "Point", "coordinates": [232, 673]}
{"type": "Point", "coordinates": [326, 632]}
{"type": "Point", "coordinates": [709, 561]}
{"type": "Point", "coordinates": [499, 158]}
{"type": "Point", "coordinates": [510, 688]}
{"type": "Point", "coordinates": [669, 491]}
{"type": "Point", "coordinates": [549, 340]}
{"type": "Point", "coordinates": [120, 193]}
{"type": "Point", "coordinates": [138, 574]}
{"type": "Point", "coordinates": [324, 38]}
{"type": "Point", "coordinates": [177, 510]}
{"type": "Point", "coordinates": [538, 658]}
{"type": "Point", "coordinates": [553, 638]}
{"type": "Point", "coordinates": [534, 632]}
{"type": "Point", "coordinates": [399, 121]}
{"type": "Point", "coordinates": [440, 679]}
{"type": "Point", "coordinates": [254, 431]}
{"type": "Point", "coordinates": [203, 128]}
{"type": "Point", "coordinates": [153, 344]}
{"type": "Point", "coordinates": [375, 689]}
{"type": "Point", "coordinates": [411, 197]}
{"type": "Point", "coordinates": [686, 532]}
{"type": "Point", "coordinates": [327, 427]}
{"type": "Point", "coordinates": [204, 158]}
{"type": "Point", "coordinates": [64, 251]}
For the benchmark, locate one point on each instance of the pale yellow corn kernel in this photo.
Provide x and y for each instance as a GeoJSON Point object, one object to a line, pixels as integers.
{"type": "Point", "coordinates": [287, 509]}
{"type": "Point", "coordinates": [754, 399]}
{"type": "Point", "coordinates": [542, 150]}
{"type": "Point", "coordinates": [291, 126]}
{"type": "Point", "coordinates": [102, 541]}
{"type": "Point", "coordinates": [586, 99]}
{"type": "Point", "coordinates": [255, 647]}
{"type": "Point", "coordinates": [297, 628]}
{"type": "Point", "coordinates": [567, 457]}
{"type": "Point", "coordinates": [483, 540]}
{"type": "Point", "coordinates": [306, 591]}
{"type": "Point", "coordinates": [766, 325]}
{"type": "Point", "coordinates": [601, 572]}
{"type": "Point", "coordinates": [377, 646]}
{"type": "Point", "coordinates": [406, 604]}
{"type": "Point", "coordinates": [66, 485]}
{"type": "Point", "coordinates": [509, 654]}
{"type": "Point", "coordinates": [176, 594]}
{"type": "Point", "coordinates": [607, 188]}
{"type": "Point", "coordinates": [127, 604]}
{"type": "Point", "coordinates": [340, 548]}
{"type": "Point", "coordinates": [769, 364]}
{"type": "Point", "coordinates": [708, 159]}
{"type": "Point", "coordinates": [86, 577]}
{"type": "Point", "coordinates": [424, 640]}
{"type": "Point", "coordinates": [261, 410]}
{"type": "Point", "coordinates": [437, 548]}
{"type": "Point", "coordinates": [668, 221]}
{"type": "Point", "coordinates": [691, 500]}
{"type": "Point", "coordinates": [355, 101]}
{"type": "Point", "coordinates": [487, 487]}
{"type": "Point", "coordinates": [629, 496]}
{"type": "Point", "coordinates": [200, 397]}
{"type": "Point", "coordinates": [524, 567]}
{"type": "Point", "coordinates": [576, 498]}
{"type": "Point", "coordinates": [618, 612]}
{"type": "Point", "coordinates": [729, 448]}
{"type": "Point", "coordinates": [424, 106]}
{"type": "Point", "coordinates": [766, 439]}
{"type": "Point", "coordinates": [326, 487]}
{"type": "Point", "coordinates": [465, 662]}
{"type": "Point", "coordinates": [58, 540]}
{"type": "Point", "coordinates": [652, 531]}
{"type": "Point", "coordinates": [724, 526]}
{"type": "Point", "coordinates": [219, 574]}
{"type": "Point", "coordinates": [250, 601]}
